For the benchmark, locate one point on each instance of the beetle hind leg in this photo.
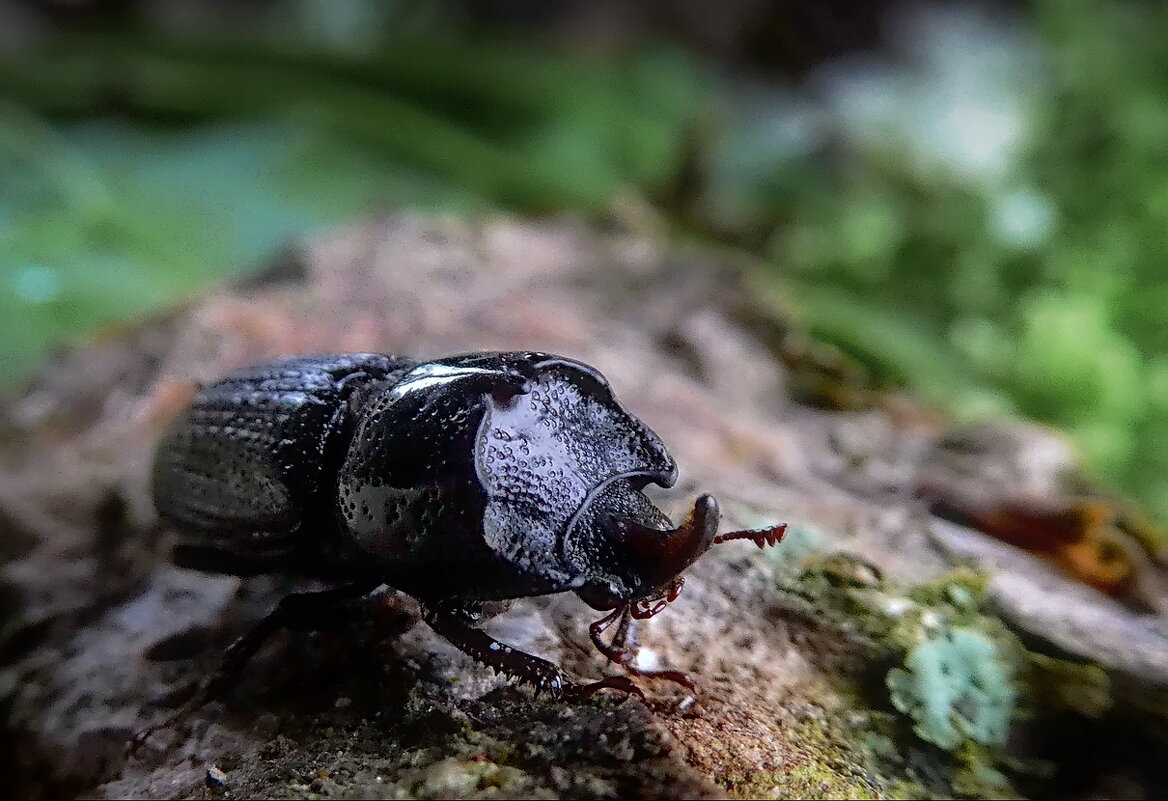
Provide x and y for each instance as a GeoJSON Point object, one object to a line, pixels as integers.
{"type": "Point", "coordinates": [299, 611]}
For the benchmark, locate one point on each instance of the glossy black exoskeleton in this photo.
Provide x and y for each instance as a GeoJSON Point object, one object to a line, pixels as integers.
{"type": "Point", "coordinates": [459, 481]}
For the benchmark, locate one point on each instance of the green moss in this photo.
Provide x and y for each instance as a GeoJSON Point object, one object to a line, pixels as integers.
{"type": "Point", "coordinates": [455, 778]}
{"type": "Point", "coordinates": [960, 592]}
{"type": "Point", "coordinates": [808, 781]}
{"type": "Point", "coordinates": [952, 673]}
{"type": "Point", "coordinates": [847, 591]}
{"type": "Point", "coordinates": [956, 677]}
{"type": "Point", "coordinates": [1057, 685]}
{"type": "Point", "coordinates": [956, 686]}
{"type": "Point", "coordinates": [835, 761]}
{"type": "Point", "coordinates": [978, 776]}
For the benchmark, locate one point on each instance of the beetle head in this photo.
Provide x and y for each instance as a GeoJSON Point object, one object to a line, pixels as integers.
{"type": "Point", "coordinates": [638, 558]}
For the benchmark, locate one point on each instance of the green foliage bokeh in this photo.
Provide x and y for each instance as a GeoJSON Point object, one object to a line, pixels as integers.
{"type": "Point", "coordinates": [1036, 288]}
{"type": "Point", "coordinates": [1031, 286]}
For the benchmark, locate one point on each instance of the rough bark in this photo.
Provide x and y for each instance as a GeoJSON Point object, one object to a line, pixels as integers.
{"type": "Point", "coordinates": [804, 654]}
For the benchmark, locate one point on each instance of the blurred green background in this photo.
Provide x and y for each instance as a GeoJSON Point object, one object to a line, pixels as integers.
{"type": "Point", "coordinates": [971, 199]}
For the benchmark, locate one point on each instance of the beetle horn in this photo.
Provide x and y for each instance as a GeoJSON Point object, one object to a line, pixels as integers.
{"type": "Point", "coordinates": [673, 550]}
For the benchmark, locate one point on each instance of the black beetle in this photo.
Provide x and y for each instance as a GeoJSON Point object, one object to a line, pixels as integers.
{"type": "Point", "coordinates": [460, 481]}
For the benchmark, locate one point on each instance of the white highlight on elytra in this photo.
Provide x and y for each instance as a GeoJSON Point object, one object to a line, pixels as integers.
{"type": "Point", "coordinates": [432, 375]}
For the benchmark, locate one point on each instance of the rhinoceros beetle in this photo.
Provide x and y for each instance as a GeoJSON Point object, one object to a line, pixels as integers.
{"type": "Point", "coordinates": [459, 481]}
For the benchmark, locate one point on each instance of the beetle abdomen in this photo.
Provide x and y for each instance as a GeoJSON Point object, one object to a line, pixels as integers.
{"type": "Point", "coordinates": [254, 459]}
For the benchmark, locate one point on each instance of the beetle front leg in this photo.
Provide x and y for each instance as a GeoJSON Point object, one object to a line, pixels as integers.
{"type": "Point", "coordinates": [616, 650]}
{"type": "Point", "coordinates": [516, 664]}
{"type": "Point", "coordinates": [623, 648]}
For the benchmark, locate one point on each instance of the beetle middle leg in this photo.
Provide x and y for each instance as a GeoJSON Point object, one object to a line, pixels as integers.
{"type": "Point", "coordinates": [302, 611]}
{"type": "Point", "coordinates": [520, 665]}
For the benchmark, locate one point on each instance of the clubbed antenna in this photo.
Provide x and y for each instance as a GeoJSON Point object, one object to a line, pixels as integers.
{"type": "Point", "coordinates": [762, 537]}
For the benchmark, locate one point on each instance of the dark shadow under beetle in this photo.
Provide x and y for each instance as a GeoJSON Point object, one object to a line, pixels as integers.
{"type": "Point", "coordinates": [460, 481]}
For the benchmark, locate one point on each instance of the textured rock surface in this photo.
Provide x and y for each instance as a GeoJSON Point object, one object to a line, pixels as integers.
{"type": "Point", "coordinates": [99, 630]}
